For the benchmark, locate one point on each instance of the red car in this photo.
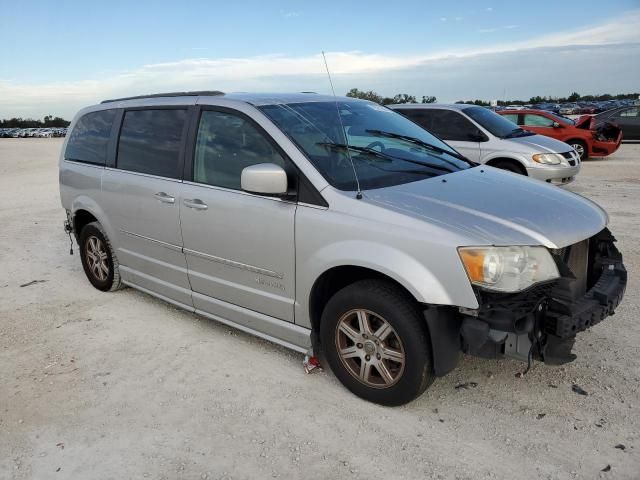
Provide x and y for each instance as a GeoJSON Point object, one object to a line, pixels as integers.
{"type": "Point", "coordinates": [588, 136]}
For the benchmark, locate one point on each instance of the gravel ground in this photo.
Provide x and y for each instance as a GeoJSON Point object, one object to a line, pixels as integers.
{"type": "Point", "coordinates": [121, 385]}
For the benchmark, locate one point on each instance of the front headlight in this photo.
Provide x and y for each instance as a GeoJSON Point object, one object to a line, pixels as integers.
{"type": "Point", "coordinates": [548, 158]}
{"type": "Point", "coordinates": [508, 269]}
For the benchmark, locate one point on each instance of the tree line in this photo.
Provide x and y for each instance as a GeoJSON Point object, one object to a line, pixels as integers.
{"type": "Point", "coordinates": [406, 98]}
{"type": "Point", "coordinates": [399, 98]}
{"type": "Point", "coordinates": [47, 121]}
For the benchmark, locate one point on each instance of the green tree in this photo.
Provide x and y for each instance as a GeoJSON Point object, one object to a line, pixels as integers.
{"type": "Point", "coordinates": [574, 97]}
{"type": "Point", "coordinates": [429, 99]}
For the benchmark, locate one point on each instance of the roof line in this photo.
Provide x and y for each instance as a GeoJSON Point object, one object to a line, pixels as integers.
{"type": "Point", "coordinates": [169, 94]}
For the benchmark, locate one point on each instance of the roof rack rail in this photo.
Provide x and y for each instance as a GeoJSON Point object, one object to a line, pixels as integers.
{"type": "Point", "coordinates": [170, 94]}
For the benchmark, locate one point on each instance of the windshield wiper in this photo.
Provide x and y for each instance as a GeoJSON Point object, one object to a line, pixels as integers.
{"type": "Point", "coordinates": [385, 156]}
{"type": "Point", "coordinates": [344, 146]}
{"type": "Point", "coordinates": [421, 143]}
{"type": "Point", "coordinates": [518, 132]}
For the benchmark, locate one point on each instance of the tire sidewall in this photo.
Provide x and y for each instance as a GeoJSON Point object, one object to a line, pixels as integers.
{"type": "Point", "coordinates": [89, 231]}
{"type": "Point", "coordinates": [417, 372]}
{"type": "Point", "coordinates": [585, 155]}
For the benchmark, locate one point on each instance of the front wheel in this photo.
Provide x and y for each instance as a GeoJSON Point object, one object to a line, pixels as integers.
{"type": "Point", "coordinates": [376, 343]}
{"type": "Point", "coordinates": [581, 149]}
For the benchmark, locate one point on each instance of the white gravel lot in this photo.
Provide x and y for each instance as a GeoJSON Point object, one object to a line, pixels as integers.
{"type": "Point", "coordinates": [121, 385]}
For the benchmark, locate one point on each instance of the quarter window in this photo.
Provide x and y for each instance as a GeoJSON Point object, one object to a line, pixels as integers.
{"type": "Point", "coordinates": [150, 142]}
{"type": "Point", "coordinates": [531, 120]}
{"type": "Point", "coordinates": [89, 138]}
{"type": "Point", "coordinates": [226, 144]}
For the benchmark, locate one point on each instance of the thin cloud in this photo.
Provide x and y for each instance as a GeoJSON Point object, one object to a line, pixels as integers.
{"type": "Point", "coordinates": [282, 72]}
{"type": "Point", "coordinates": [497, 29]}
{"type": "Point", "coordinates": [290, 14]}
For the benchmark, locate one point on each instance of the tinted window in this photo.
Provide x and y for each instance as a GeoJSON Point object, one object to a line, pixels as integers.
{"type": "Point", "coordinates": [494, 123]}
{"type": "Point", "coordinates": [532, 120]}
{"type": "Point", "coordinates": [89, 138]}
{"type": "Point", "coordinates": [449, 125]}
{"type": "Point", "coordinates": [338, 138]}
{"type": "Point", "coordinates": [150, 142]}
{"type": "Point", "coordinates": [225, 145]}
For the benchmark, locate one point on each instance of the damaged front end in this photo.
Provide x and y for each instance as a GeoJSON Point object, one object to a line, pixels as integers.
{"type": "Point", "coordinates": [542, 321]}
{"type": "Point", "coordinates": [606, 136]}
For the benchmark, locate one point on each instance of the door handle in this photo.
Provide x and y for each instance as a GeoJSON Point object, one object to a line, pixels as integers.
{"type": "Point", "coordinates": [195, 203]}
{"type": "Point", "coordinates": [164, 198]}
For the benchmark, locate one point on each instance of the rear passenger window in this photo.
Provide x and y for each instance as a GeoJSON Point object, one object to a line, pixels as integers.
{"type": "Point", "coordinates": [150, 142]}
{"type": "Point", "coordinates": [450, 125]}
{"type": "Point", "coordinates": [225, 145]}
{"type": "Point", "coordinates": [89, 138]}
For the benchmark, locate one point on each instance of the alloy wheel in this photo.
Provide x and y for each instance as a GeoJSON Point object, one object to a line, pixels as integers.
{"type": "Point", "coordinates": [370, 348]}
{"type": "Point", "coordinates": [97, 259]}
{"type": "Point", "coordinates": [579, 149]}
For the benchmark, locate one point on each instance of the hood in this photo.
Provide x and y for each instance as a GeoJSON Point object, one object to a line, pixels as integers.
{"type": "Point", "coordinates": [493, 207]}
{"type": "Point", "coordinates": [586, 122]}
{"type": "Point", "coordinates": [536, 144]}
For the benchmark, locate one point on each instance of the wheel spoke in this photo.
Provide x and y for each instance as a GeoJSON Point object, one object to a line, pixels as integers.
{"type": "Point", "coordinates": [384, 373]}
{"type": "Point", "coordinates": [104, 268]}
{"type": "Point", "coordinates": [349, 331]}
{"type": "Point", "coordinates": [383, 332]}
{"type": "Point", "coordinates": [363, 322]}
{"type": "Point", "coordinates": [393, 355]}
{"type": "Point", "coordinates": [365, 371]}
{"type": "Point", "coordinates": [350, 352]}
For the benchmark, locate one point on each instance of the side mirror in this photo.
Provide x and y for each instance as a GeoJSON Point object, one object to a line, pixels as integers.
{"type": "Point", "coordinates": [556, 125]}
{"type": "Point", "coordinates": [265, 179]}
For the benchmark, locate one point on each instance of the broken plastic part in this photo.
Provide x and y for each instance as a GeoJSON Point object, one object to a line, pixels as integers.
{"type": "Point", "coordinates": [311, 363]}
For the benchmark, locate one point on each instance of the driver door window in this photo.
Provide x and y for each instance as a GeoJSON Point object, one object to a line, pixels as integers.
{"type": "Point", "coordinates": [531, 120]}
{"type": "Point", "coordinates": [225, 145]}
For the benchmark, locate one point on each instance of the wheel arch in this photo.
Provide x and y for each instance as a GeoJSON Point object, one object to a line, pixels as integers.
{"type": "Point", "coordinates": [514, 161]}
{"type": "Point", "coordinates": [85, 210]}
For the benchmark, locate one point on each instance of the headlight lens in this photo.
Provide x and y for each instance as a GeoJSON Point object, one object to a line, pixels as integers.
{"type": "Point", "coordinates": [548, 158]}
{"type": "Point", "coordinates": [508, 269]}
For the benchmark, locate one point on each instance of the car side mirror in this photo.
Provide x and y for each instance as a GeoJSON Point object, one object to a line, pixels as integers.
{"type": "Point", "coordinates": [556, 125]}
{"type": "Point", "coordinates": [265, 179]}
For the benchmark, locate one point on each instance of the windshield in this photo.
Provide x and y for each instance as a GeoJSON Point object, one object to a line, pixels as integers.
{"type": "Point", "coordinates": [386, 148]}
{"type": "Point", "coordinates": [494, 123]}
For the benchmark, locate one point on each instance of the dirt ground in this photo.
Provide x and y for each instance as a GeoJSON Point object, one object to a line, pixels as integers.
{"type": "Point", "coordinates": [121, 385]}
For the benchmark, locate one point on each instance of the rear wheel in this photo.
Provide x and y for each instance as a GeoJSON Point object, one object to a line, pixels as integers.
{"type": "Point", "coordinates": [376, 342]}
{"type": "Point", "coordinates": [580, 147]}
{"type": "Point", "coordinates": [98, 258]}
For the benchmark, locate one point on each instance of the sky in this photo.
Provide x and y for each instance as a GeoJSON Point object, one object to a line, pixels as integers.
{"type": "Point", "coordinates": [57, 57]}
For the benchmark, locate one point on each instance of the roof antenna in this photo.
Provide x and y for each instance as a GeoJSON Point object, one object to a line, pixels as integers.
{"type": "Point", "coordinates": [344, 132]}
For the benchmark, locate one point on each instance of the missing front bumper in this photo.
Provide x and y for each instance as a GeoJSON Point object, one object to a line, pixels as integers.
{"type": "Point", "coordinates": [549, 316]}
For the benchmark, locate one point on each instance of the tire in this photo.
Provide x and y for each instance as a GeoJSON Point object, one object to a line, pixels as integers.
{"type": "Point", "coordinates": [580, 147]}
{"type": "Point", "coordinates": [103, 272]}
{"type": "Point", "coordinates": [394, 349]}
{"type": "Point", "coordinates": [510, 166]}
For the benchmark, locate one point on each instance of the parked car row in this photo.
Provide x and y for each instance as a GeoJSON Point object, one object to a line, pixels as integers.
{"type": "Point", "coordinates": [573, 108]}
{"type": "Point", "coordinates": [45, 132]}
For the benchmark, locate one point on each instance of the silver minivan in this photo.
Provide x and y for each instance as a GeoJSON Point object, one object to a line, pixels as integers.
{"type": "Point", "coordinates": [485, 137]}
{"type": "Point", "coordinates": [334, 225]}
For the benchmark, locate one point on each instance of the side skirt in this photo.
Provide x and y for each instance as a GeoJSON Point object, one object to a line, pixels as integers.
{"type": "Point", "coordinates": [283, 333]}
